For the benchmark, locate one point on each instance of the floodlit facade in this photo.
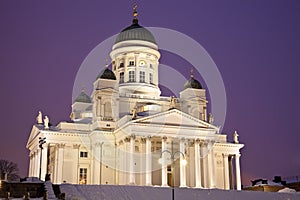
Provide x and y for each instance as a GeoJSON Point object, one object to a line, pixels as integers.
{"type": "Point", "coordinates": [125, 132]}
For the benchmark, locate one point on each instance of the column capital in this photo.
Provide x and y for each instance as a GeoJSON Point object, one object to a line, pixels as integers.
{"type": "Point", "coordinates": [127, 139]}
{"type": "Point", "coordinates": [212, 141]}
{"type": "Point", "coordinates": [61, 145]}
{"type": "Point", "coordinates": [132, 136]}
{"type": "Point", "coordinates": [148, 137]}
{"type": "Point", "coordinates": [143, 139]}
{"type": "Point", "coordinates": [238, 155]}
{"type": "Point", "coordinates": [121, 142]}
{"type": "Point", "coordinates": [197, 140]}
{"type": "Point", "coordinates": [76, 146]}
{"type": "Point", "coordinates": [225, 155]}
{"type": "Point", "coordinates": [164, 138]}
{"type": "Point", "coordinates": [203, 143]}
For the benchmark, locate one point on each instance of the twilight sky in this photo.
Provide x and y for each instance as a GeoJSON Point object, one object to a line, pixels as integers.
{"type": "Point", "coordinates": [254, 43]}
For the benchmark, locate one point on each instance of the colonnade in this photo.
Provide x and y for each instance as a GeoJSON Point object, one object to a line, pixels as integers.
{"type": "Point", "coordinates": [203, 163]}
{"type": "Point", "coordinates": [203, 157]}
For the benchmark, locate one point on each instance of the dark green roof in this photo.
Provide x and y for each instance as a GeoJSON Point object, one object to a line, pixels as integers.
{"type": "Point", "coordinates": [83, 98]}
{"type": "Point", "coordinates": [107, 74]}
{"type": "Point", "coordinates": [192, 83]}
{"type": "Point", "coordinates": [135, 32]}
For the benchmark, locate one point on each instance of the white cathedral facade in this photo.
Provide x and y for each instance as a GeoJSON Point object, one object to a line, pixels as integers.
{"type": "Point", "coordinates": [126, 133]}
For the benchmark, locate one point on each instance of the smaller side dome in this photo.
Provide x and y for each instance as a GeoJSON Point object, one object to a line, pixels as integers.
{"type": "Point", "coordinates": [107, 74]}
{"type": "Point", "coordinates": [192, 83]}
{"type": "Point", "coordinates": [83, 98]}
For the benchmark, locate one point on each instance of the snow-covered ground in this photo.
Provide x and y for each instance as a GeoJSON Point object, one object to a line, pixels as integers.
{"type": "Point", "coordinates": [108, 192]}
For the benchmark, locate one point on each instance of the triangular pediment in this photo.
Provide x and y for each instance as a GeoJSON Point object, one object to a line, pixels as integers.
{"type": "Point", "coordinates": [33, 134]}
{"type": "Point", "coordinates": [175, 117]}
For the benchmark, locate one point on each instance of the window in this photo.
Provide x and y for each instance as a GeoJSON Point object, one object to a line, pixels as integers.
{"type": "Point", "coordinates": [142, 77]}
{"type": "Point", "coordinates": [122, 77]}
{"type": "Point", "coordinates": [131, 76]}
{"type": "Point", "coordinates": [83, 154]}
{"type": "Point", "coordinates": [151, 66]}
{"type": "Point", "coordinates": [131, 63]}
{"type": "Point", "coordinates": [82, 175]}
{"type": "Point", "coordinates": [151, 78]}
{"type": "Point", "coordinates": [107, 110]}
{"type": "Point", "coordinates": [121, 65]}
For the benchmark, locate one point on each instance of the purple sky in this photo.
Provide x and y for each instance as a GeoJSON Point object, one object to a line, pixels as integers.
{"type": "Point", "coordinates": [254, 43]}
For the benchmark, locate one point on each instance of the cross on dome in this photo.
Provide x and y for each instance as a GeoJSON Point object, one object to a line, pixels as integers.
{"type": "Point", "coordinates": [135, 14]}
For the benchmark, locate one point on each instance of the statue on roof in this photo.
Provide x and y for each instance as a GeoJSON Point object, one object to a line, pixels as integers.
{"type": "Point", "coordinates": [235, 137]}
{"type": "Point", "coordinates": [72, 116]}
{"type": "Point", "coordinates": [39, 118]}
{"type": "Point", "coordinates": [134, 113]}
{"type": "Point", "coordinates": [172, 102]}
{"type": "Point", "coordinates": [46, 122]}
{"type": "Point", "coordinates": [210, 118]}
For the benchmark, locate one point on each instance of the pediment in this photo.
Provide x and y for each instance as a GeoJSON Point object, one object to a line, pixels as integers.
{"type": "Point", "coordinates": [33, 134]}
{"type": "Point", "coordinates": [175, 117]}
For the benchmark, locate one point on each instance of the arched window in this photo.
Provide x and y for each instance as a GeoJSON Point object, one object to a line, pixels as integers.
{"type": "Point", "coordinates": [121, 77]}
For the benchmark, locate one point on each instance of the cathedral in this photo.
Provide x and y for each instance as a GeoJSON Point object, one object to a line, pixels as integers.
{"type": "Point", "coordinates": [126, 133]}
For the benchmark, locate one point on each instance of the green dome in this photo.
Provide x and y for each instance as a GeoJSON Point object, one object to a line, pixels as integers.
{"type": "Point", "coordinates": [83, 98]}
{"type": "Point", "coordinates": [192, 83]}
{"type": "Point", "coordinates": [135, 32]}
{"type": "Point", "coordinates": [107, 74]}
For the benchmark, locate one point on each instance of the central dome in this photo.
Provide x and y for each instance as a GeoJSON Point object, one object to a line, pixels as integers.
{"type": "Point", "coordinates": [135, 32]}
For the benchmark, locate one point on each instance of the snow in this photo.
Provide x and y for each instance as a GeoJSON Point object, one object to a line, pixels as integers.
{"type": "Point", "coordinates": [122, 192]}
{"type": "Point", "coordinates": [287, 190]}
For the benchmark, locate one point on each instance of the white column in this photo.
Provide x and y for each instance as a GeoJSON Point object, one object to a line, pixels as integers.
{"type": "Point", "coordinates": [122, 164]}
{"type": "Point", "coordinates": [30, 165]}
{"type": "Point", "coordinates": [211, 167]}
{"type": "Point", "coordinates": [98, 106]}
{"type": "Point", "coordinates": [182, 165]}
{"type": "Point", "coordinates": [238, 172]}
{"type": "Point", "coordinates": [38, 157]}
{"type": "Point", "coordinates": [126, 160]}
{"type": "Point", "coordinates": [60, 162]}
{"type": "Point", "coordinates": [76, 163]}
{"type": "Point", "coordinates": [96, 163]}
{"type": "Point", "coordinates": [226, 171]}
{"type": "Point", "coordinates": [37, 163]}
{"type": "Point", "coordinates": [44, 161]}
{"type": "Point", "coordinates": [33, 165]}
{"type": "Point", "coordinates": [131, 161]}
{"type": "Point", "coordinates": [203, 154]}
{"type": "Point", "coordinates": [197, 164]}
{"type": "Point", "coordinates": [148, 162]}
{"type": "Point", "coordinates": [164, 172]}
{"type": "Point", "coordinates": [55, 165]}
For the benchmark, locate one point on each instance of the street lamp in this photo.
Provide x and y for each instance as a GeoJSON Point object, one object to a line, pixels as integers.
{"type": "Point", "coordinates": [41, 142]}
{"type": "Point", "coordinates": [172, 153]}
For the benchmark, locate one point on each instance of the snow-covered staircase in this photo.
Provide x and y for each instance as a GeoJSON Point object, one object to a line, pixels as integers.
{"type": "Point", "coordinates": [49, 190]}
